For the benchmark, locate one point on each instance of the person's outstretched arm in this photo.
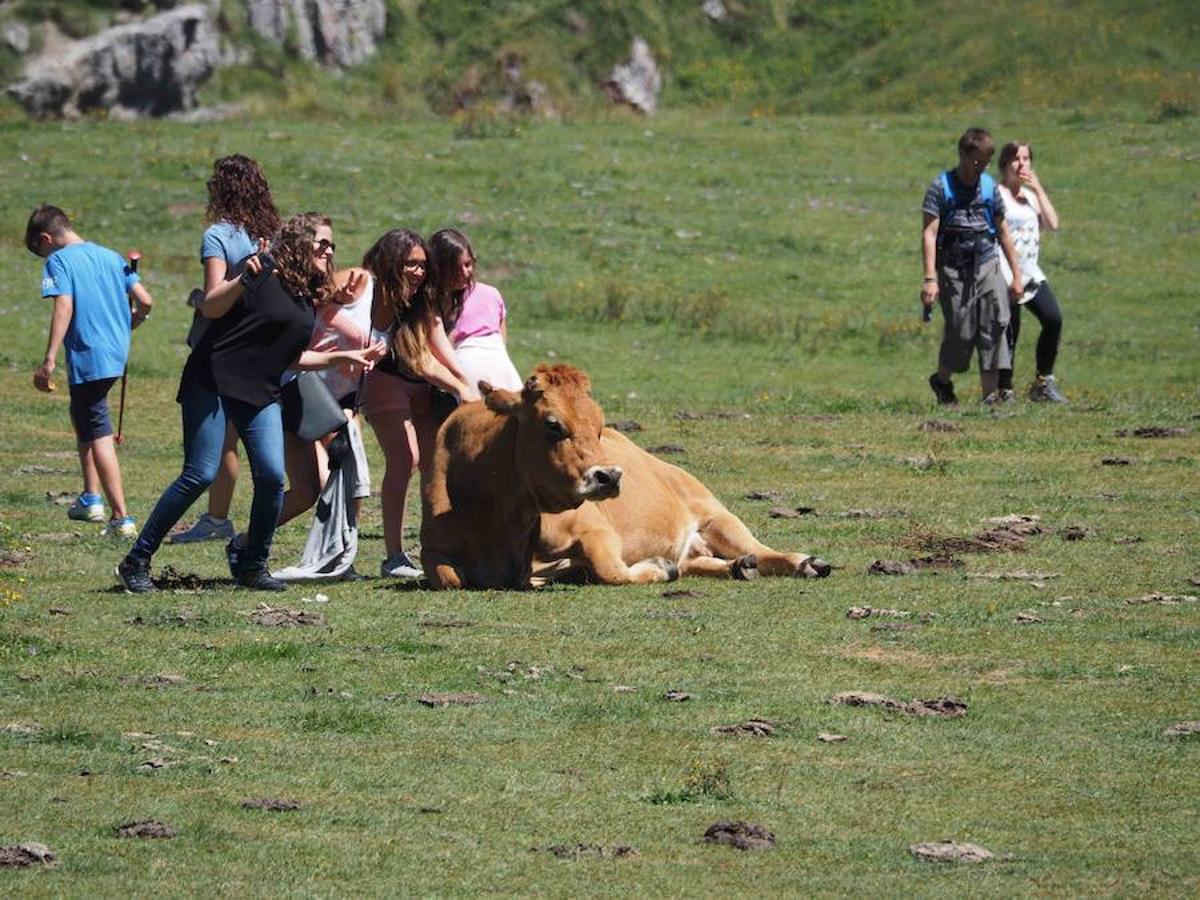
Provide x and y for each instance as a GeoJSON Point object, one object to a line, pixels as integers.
{"type": "Point", "coordinates": [929, 282]}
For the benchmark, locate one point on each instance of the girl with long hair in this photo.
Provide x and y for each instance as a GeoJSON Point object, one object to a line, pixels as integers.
{"type": "Point", "coordinates": [397, 393]}
{"type": "Point", "coordinates": [240, 213]}
{"type": "Point", "coordinates": [262, 322]}
{"type": "Point", "coordinates": [474, 313]}
{"type": "Point", "coordinates": [1027, 209]}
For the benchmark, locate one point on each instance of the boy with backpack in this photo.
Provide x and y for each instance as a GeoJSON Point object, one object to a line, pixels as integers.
{"type": "Point", "coordinates": [962, 221]}
{"type": "Point", "coordinates": [98, 300]}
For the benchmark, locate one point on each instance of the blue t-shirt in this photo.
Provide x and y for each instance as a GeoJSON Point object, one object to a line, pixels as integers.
{"type": "Point", "coordinates": [97, 340]}
{"type": "Point", "coordinates": [226, 241]}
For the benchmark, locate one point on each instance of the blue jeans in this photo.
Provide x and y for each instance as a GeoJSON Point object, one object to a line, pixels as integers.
{"type": "Point", "coordinates": [261, 431]}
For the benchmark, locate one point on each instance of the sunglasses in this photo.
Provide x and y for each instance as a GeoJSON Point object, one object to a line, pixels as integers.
{"type": "Point", "coordinates": [319, 247]}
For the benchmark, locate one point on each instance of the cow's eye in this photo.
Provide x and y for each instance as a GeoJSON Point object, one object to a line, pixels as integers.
{"type": "Point", "coordinates": [555, 427]}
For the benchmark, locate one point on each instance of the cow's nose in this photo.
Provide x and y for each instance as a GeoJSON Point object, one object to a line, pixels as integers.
{"type": "Point", "coordinates": [603, 481]}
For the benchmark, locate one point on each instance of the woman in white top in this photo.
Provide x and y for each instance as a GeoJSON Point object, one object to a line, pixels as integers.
{"type": "Point", "coordinates": [1027, 209]}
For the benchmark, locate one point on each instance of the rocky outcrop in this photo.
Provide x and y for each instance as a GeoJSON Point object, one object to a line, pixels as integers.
{"type": "Point", "coordinates": [149, 68]}
{"type": "Point", "coordinates": [334, 32]}
{"type": "Point", "coordinates": [637, 81]}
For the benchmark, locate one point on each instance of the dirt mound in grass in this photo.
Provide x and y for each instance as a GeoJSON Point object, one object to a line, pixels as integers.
{"type": "Point", "coordinates": [740, 835]}
{"type": "Point", "coordinates": [456, 698]}
{"type": "Point", "coordinates": [1153, 431]}
{"type": "Point", "coordinates": [271, 617]}
{"type": "Point", "coordinates": [916, 564]}
{"type": "Point", "coordinates": [271, 804]}
{"type": "Point", "coordinates": [27, 853]}
{"type": "Point", "coordinates": [948, 706]}
{"type": "Point", "coordinates": [145, 828]}
{"type": "Point", "coordinates": [749, 728]}
{"type": "Point", "coordinates": [583, 851]}
{"type": "Point", "coordinates": [951, 851]}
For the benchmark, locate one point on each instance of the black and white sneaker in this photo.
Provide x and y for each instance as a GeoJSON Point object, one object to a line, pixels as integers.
{"type": "Point", "coordinates": [943, 392]}
{"type": "Point", "coordinates": [134, 574]}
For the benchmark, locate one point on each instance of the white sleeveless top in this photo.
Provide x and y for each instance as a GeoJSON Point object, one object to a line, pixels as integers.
{"type": "Point", "coordinates": [1023, 220]}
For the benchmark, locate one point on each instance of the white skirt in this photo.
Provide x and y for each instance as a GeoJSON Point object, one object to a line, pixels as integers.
{"type": "Point", "coordinates": [485, 358]}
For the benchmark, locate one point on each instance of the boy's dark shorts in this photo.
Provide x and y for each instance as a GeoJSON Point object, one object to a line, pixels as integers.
{"type": "Point", "coordinates": [89, 409]}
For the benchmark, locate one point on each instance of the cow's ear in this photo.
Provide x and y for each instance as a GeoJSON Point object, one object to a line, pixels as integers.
{"type": "Point", "coordinates": [499, 400]}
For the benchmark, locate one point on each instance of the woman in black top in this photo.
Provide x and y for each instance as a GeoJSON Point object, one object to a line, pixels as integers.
{"type": "Point", "coordinates": [262, 323]}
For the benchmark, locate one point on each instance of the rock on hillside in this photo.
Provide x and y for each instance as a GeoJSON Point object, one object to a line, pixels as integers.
{"type": "Point", "coordinates": [334, 33]}
{"type": "Point", "coordinates": [148, 68]}
{"type": "Point", "coordinates": [637, 81]}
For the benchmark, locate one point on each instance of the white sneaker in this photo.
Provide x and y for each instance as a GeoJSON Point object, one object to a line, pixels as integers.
{"type": "Point", "coordinates": [398, 565]}
{"type": "Point", "coordinates": [80, 511]}
{"type": "Point", "coordinates": [124, 527]}
{"type": "Point", "coordinates": [206, 529]}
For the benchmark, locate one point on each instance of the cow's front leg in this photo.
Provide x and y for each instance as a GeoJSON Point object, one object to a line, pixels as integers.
{"type": "Point", "coordinates": [443, 575]}
{"type": "Point", "coordinates": [602, 554]}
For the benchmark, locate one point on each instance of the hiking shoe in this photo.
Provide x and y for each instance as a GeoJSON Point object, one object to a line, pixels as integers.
{"type": "Point", "coordinates": [87, 508]}
{"type": "Point", "coordinates": [260, 580]}
{"type": "Point", "coordinates": [134, 574]}
{"type": "Point", "coordinates": [398, 565]}
{"type": "Point", "coordinates": [124, 527]}
{"type": "Point", "coordinates": [206, 529]}
{"type": "Point", "coordinates": [943, 392]}
{"type": "Point", "coordinates": [1008, 395]}
{"type": "Point", "coordinates": [1044, 390]}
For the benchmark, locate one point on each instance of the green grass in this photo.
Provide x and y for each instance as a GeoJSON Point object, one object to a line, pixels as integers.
{"type": "Point", "coordinates": [761, 266]}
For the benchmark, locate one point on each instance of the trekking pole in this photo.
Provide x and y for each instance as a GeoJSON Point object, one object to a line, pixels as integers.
{"type": "Point", "coordinates": [134, 258]}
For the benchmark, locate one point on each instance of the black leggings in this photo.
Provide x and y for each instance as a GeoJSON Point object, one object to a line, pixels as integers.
{"type": "Point", "coordinates": [1044, 305]}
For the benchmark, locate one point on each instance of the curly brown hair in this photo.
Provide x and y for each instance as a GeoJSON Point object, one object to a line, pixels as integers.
{"type": "Point", "coordinates": [292, 251]}
{"type": "Point", "coordinates": [238, 193]}
{"type": "Point", "coordinates": [411, 305]}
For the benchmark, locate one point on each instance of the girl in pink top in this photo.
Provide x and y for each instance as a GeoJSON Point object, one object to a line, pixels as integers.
{"type": "Point", "coordinates": [474, 313]}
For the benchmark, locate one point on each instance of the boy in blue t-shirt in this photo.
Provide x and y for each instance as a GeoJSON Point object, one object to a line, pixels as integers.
{"type": "Point", "coordinates": [98, 300]}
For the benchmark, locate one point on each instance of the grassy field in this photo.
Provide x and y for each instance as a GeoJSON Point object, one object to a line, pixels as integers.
{"type": "Point", "coordinates": [759, 275]}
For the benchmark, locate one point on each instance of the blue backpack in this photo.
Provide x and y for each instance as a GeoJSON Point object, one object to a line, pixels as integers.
{"type": "Point", "coordinates": [987, 188]}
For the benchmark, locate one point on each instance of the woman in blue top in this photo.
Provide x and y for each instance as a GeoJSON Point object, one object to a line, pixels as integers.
{"type": "Point", "coordinates": [241, 213]}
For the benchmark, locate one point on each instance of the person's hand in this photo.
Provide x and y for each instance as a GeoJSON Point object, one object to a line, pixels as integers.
{"type": "Point", "coordinates": [468, 394]}
{"type": "Point", "coordinates": [1029, 177]}
{"type": "Point", "coordinates": [41, 377]}
{"type": "Point", "coordinates": [254, 263]}
{"type": "Point", "coordinates": [348, 292]}
{"type": "Point", "coordinates": [1016, 289]}
{"type": "Point", "coordinates": [376, 351]}
{"type": "Point", "coordinates": [929, 292]}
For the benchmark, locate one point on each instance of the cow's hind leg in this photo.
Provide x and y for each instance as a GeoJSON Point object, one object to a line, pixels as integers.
{"type": "Point", "coordinates": [742, 568]}
{"type": "Point", "coordinates": [729, 537]}
{"type": "Point", "coordinates": [602, 552]}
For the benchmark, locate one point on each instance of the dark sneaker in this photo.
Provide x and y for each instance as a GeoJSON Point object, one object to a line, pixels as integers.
{"type": "Point", "coordinates": [1044, 390]}
{"type": "Point", "coordinates": [1008, 395]}
{"type": "Point", "coordinates": [134, 574]}
{"type": "Point", "coordinates": [260, 580]}
{"type": "Point", "coordinates": [233, 556]}
{"type": "Point", "coordinates": [943, 392]}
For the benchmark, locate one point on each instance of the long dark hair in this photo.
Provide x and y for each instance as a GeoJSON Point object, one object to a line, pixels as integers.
{"type": "Point", "coordinates": [410, 305]}
{"type": "Point", "coordinates": [446, 247]}
{"type": "Point", "coordinates": [238, 194]}
{"type": "Point", "coordinates": [292, 251]}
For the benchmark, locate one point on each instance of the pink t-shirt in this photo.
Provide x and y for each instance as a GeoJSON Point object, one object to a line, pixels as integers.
{"type": "Point", "coordinates": [482, 314]}
{"type": "Point", "coordinates": [343, 327]}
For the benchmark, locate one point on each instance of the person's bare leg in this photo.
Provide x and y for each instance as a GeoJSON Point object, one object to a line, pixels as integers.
{"type": "Point", "coordinates": [87, 464]}
{"type": "Point", "coordinates": [399, 447]}
{"type": "Point", "coordinates": [220, 492]}
{"type": "Point", "coordinates": [300, 463]}
{"type": "Point", "coordinates": [108, 470]}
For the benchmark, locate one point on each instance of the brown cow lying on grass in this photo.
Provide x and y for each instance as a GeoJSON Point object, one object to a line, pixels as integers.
{"type": "Point", "coordinates": [531, 486]}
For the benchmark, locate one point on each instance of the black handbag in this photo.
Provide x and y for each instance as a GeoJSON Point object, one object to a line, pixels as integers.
{"type": "Point", "coordinates": [310, 411]}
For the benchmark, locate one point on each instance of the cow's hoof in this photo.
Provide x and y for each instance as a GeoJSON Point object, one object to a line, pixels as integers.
{"type": "Point", "coordinates": [744, 568]}
{"type": "Point", "coordinates": [814, 567]}
{"type": "Point", "coordinates": [669, 568]}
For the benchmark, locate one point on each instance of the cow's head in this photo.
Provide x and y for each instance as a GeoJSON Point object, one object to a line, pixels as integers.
{"type": "Point", "coordinates": [558, 437]}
